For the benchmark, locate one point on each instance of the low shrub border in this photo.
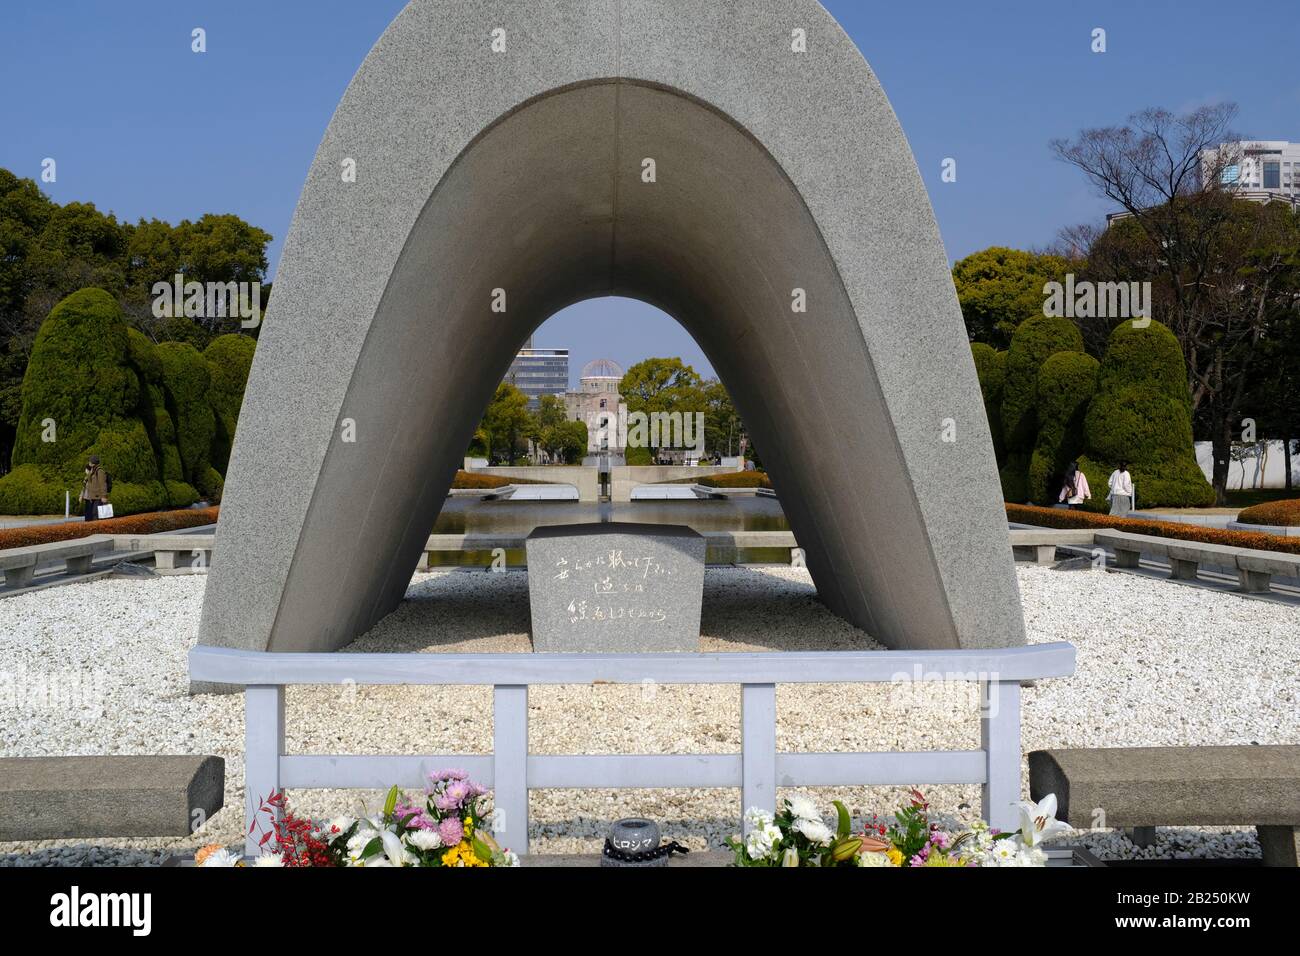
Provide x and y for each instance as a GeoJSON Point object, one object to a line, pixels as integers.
{"type": "Point", "coordinates": [1062, 518]}
{"type": "Point", "coordinates": [741, 479]}
{"type": "Point", "coordinates": [1282, 513]}
{"type": "Point", "coordinates": [473, 480]}
{"type": "Point", "coordinates": [153, 522]}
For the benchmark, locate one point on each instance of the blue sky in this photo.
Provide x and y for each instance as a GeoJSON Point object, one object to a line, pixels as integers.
{"type": "Point", "coordinates": [142, 126]}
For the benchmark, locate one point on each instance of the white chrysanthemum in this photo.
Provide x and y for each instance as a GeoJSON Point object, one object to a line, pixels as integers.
{"type": "Point", "coordinates": [874, 859]}
{"type": "Point", "coordinates": [269, 859]}
{"type": "Point", "coordinates": [512, 858]}
{"type": "Point", "coordinates": [757, 819]}
{"type": "Point", "coordinates": [424, 839]}
{"type": "Point", "coordinates": [221, 857]}
{"type": "Point", "coordinates": [814, 830]}
{"type": "Point", "coordinates": [1004, 853]}
{"type": "Point", "coordinates": [761, 841]}
{"type": "Point", "coordinates": [803, 808]}
{"type": "Point", "coordinates": [1030, 856]}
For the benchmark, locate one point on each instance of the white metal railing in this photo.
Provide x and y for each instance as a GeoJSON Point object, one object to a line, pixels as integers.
{"type": "Point", "coordinates": [511, 771]}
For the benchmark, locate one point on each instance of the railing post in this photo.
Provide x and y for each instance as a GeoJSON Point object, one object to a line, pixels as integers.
{"type": "Point", "coordinates": [263, 745]}
{"type": "Point", "coordinates": [758, 747]}
{"type": "Point", "coordinates": [510, 766]}
{"type": "Point", "coordinates": [1000, 740]}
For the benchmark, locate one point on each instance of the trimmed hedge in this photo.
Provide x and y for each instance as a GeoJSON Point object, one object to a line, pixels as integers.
{"type": "Point", "coordinates": [1281, 513]}
{"type": "Point", "coordinates": [1065, 518]}
{"type": "Point", "coordinates": [153, 523]}
{"type": "Point", "coordinates": [1035, 341]}
{"type": "Point", "coordinates": [991, 367]}
{"type": "Point", "coordinates": [469, 479]}
{"type": "Point", "coordinates": [186, 380]}
{"type": "Point", "coordinates": [475, 480]}
{"type": "Point", "coordinates": [1065, 385]}
{"type": "Point", "coordinates": [1142, 414]}
{"type": "Point", "coordinates": [741, 479]}
{"type": "Point", "coordinates": [82, 374]}
{"type": "Point", "coordinates": [229, 359]}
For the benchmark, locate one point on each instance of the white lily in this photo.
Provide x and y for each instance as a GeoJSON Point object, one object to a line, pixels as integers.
{"type": "Point", "coordinates": [397, 854]}
{"type": "Point", "coordinates": [1038, 820]}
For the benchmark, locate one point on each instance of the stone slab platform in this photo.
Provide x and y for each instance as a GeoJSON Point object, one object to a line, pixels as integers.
{"type": "Point", "coordinates": [58, 798]}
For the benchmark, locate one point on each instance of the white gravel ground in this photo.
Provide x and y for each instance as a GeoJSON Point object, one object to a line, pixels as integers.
{"type": "Point", "coordinates": [99, 667]}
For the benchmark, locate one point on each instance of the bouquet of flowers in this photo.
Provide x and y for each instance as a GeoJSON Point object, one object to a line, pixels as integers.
{"type": "Point", "coordinates": [448, 828]}
{"type": "Point", "coordinates": [797, 836]}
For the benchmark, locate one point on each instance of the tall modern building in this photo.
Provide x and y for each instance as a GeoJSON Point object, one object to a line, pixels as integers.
{"type": "Point", "coordinates": [538, 372]}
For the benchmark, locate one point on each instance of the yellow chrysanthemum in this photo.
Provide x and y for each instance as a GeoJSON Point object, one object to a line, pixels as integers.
{"type": "Point", "coordinates": [895, 855]}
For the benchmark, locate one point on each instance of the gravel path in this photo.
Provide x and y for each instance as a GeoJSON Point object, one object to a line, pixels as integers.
{"type": "Point", "coordinates": [99, 667]}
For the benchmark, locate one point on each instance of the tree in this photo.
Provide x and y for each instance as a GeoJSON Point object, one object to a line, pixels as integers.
{"type": "Point", "coordinates": [83, 396]}
{"type": "Point", "coordinates": [665, 385]}
{"type": "Point", "coordinates": [1141, 414]}
{"type": "Point", "coordinates": [1219, 267]}
{"type": "Point", "coordinates": [999, 288]}
{"type": "Point", "coordinates": [505, 422]}
{"type": "Point", "coordinates": [565, 441]}
{"type": "Point", "coordinates": [48, 252]}
{"type": "Point", "coordinates": [723, 428]}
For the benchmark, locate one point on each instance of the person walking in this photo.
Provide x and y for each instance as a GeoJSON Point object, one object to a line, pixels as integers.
{"type": "Point", "coordinates": [1074, 489]}
{"type": "Point", "coordinates": [94, 492]}
{"type": "Point", "coordinates": [1120, 490]}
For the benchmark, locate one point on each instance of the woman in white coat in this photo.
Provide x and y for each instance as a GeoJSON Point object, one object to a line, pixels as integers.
{"type": "Point", "coordinates": [1121, 490]}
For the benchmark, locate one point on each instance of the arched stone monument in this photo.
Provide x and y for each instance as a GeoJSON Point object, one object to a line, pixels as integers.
{"type": "Point", "coordinates": [732, 163]}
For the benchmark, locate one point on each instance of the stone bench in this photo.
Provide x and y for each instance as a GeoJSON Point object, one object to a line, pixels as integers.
{"type": "Point", "coordinates": [60, 798]}
{"type": "Point", "coordinates": [1141, 788]}
{"type": "Point", "coordinates": [167, 548]}
{"type": "Point", "coordinates": [19, 564]}
{"type": "Point", "coordinates": [1039, 544]}
{"type": "Point", "coordinates": [1254, 568]}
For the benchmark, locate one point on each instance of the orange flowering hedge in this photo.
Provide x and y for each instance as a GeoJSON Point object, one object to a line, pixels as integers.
{"type": "Point", "coordinates": [473, 479]}
{"type": "Point", "coordinates": [741, 479]}
{"type": "Point", "coordinates": [1286, 513]}
{"type": "Point", "coordinates": [152, 522]}
{"type": "Point", "coordinates": [1062, 518]}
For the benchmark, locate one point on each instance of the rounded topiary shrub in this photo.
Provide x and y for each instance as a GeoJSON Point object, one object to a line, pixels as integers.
{"type": "Point", "coordinates": [185, 382]}
{"type": "Point", "coordinates": [1066, 383]}
{"type": "Point", "coordinates": [1142, 414]}
{"type": "Point", "coordinates": [1279, 513]}
{"type": "Point", "coordinates": [1036, 340]}
{"type": "Point", "coordinates": [229, 358]}
{"type": "Point", "coordinates": [991, 367]}
{"type": "Point", "coordinates": [83, 390]}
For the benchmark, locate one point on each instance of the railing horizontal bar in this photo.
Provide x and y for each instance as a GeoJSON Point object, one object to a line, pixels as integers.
{"type": "Point", "coordinates": [620, 771]}
{"type": "Point", "coordinates": [874, 769]}
{"type": "Point", "coordinates": [376, 772]}
{"type": "Point", "coordinates": [643, 771]}
{"type": "Point", "coordinates": [233, 666]}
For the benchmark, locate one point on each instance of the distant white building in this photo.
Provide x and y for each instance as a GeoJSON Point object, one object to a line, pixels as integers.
{"type": "Point", "coordinates": [597, 404]}
{"type": "Point", "coordinates": [1268, 166]}
{"type": "Point", "coordinates": [1260, 171]}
